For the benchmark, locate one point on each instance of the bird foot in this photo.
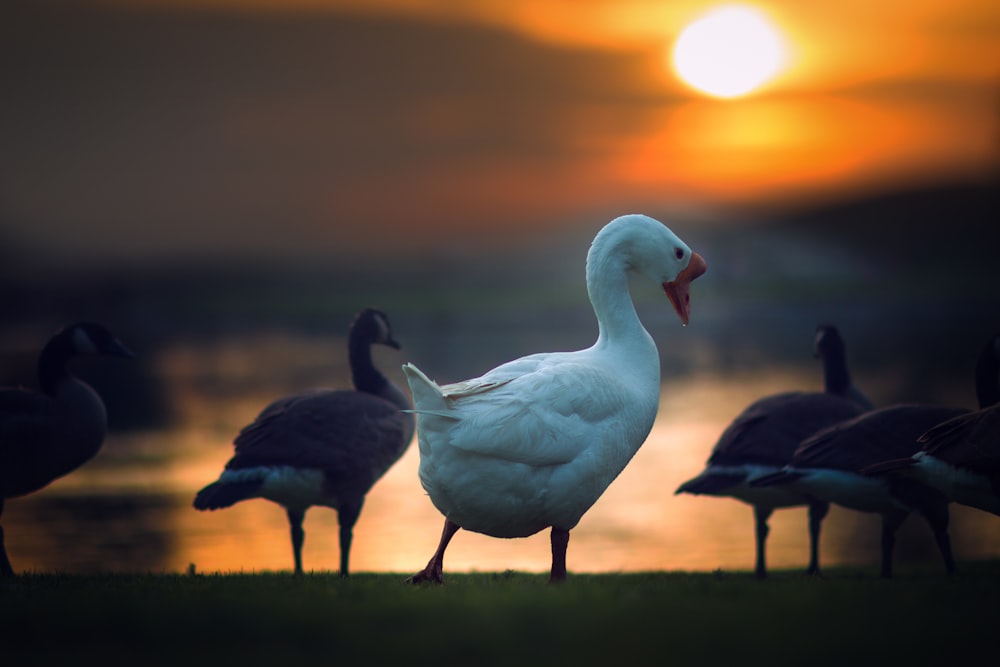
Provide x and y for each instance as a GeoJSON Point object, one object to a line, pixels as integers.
{"type": "Point", "coordinates": [426, 576]}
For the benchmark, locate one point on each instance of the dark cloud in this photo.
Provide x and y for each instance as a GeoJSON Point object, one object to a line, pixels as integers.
{"type": "Point", "coordinates": [131, 133]}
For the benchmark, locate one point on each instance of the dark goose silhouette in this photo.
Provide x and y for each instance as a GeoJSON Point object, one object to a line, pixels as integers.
{"type": "Point", "coordinates": [324, 447]}
{"type": "Point", "coordinates": [961, 456]}
{"type": "Point", "coordinates": [763, 438]}
{"type": "Point", "coordinates": [46, 435]}
{"type": "Point", "coordinates": [828, 466]}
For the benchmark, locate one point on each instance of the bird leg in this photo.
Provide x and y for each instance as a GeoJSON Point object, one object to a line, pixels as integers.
{"type": "Point", "coordinates": [295, 518]}
{"type": "Point", "coordinates": [944, 545]}
{"type": "Point", "coordinates": [937, 517]}
{"type": "Point", "coordinates": [761, 515]}
{"type": "Point", "coordinates": [347, 516]}
{"type": "Point", "coordinates": [817, 512]}
{"type": "Point", "coordinates": [5, 569]}
{"type": "Point", "coordinates": [433, 571]}
{"type": "Point", "coordinates": [890, 524]}
{"type": "Point", "coordinates": [560, 540]}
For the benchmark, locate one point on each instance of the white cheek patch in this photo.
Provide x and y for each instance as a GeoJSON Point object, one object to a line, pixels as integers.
{"type": "Point", "coordinates": [82, 343]}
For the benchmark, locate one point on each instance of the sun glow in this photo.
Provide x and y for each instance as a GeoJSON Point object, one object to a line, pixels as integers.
{"type": "Point", "coordinates": [729, 52]}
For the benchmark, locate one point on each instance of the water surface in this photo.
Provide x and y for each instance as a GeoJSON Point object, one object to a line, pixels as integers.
{"type": "Point", "coordinates": [130, 508]}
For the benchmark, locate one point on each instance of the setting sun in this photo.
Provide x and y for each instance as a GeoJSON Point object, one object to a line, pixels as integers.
{"type": "Point", "coordinates": [729, 52]}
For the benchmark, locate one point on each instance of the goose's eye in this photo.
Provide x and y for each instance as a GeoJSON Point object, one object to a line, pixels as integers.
{"type": "Point", "coordinates": [678, 253]}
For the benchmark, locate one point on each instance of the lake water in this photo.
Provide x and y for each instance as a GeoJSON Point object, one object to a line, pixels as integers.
{"type": "Point", "coordinates": [129, 510]}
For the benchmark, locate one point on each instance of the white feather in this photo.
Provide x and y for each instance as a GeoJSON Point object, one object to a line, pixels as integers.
{"type": "Point", "coordinates": [848, 489]}
{"type": "Point", "coordinates": [292, 487]}
{"type": "Point", "coordinates": [959, 484]}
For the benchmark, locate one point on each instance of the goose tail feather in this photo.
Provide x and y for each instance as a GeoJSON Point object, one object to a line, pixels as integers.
{"type": "Point", "coordinates": [711, 483]}
{"type": "Point", "coordinates": [218, 495]}
{"type": "Point", "coordinates": [427, 396]}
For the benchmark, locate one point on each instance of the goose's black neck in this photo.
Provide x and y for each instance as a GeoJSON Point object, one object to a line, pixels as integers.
{"type": "Point", "coordinates": [836, 377]}
{"type": "Point", "coordinates": [988, 374]}
{"type": "Point", "coordinates": [365, 376]}
{"type": "Point", "coordinates": [53, 362]}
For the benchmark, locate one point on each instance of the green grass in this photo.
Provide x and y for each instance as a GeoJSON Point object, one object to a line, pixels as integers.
{"type": "Point", "coordinates": [847, 617]}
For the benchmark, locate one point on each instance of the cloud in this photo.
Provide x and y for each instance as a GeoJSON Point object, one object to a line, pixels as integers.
{"type": "Point", "coordinates": [138, 134]}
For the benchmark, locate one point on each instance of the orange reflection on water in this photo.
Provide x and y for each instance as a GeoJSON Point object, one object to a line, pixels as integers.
{"type": "Point", "coordinates": [130, 510]}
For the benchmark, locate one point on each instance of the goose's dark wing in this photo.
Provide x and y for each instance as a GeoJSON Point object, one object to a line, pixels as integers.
{"type": "Point", "coordinates": [971, 440]}
{"type": "Point", "coordinates": [873, 437]}
{"type": "Point", "coordinates": [348, 434]}
{"type": "Point", "coordinates": [770, 429]}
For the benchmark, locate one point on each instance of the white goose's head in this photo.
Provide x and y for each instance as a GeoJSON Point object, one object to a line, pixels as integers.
{"type": "Point", "coordinates": [650, 249]}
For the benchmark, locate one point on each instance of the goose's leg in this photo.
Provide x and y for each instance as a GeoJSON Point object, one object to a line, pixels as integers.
{"type": "Point", "coordinates": [817, 512]}
{"type": "Point", "coordinates": [295, 518]}
{"type": "Point", "coordinates": [560, 540]}
{"type": "Point", "coordinates": [937, 516]}
{"type": "Point", "coordinates": [433, 571]}
{"type": "Point", "coordinates": [347, 516]}
{"type": "Point", "coordinates": [5, 569]}
{"type": "Point", "coordinates": [760, 516]}
{"type": "Point", "coordinates": [890, 524]}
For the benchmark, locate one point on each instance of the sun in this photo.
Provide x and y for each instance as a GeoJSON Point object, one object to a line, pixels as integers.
{"type": "Point", "coordinates": [729, 52]}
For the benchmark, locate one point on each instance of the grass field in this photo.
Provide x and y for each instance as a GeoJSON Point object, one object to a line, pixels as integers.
{"type": "Point", "coordinates": [847, 617]}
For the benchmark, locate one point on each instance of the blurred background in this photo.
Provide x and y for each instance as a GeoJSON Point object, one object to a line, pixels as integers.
{"type": "Point", "coordinates": [224, 183]}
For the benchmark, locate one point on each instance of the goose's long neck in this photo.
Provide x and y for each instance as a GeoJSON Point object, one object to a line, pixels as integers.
{"type": "Point", "coordinates": [365, 376]}
{"type": "Point", "coordinates": [81, 406]}
{"type": "Point", "coordinates": [988, 375]}
{"type": "Point", "coordinates": [836, 377]}
{"type": "Point", "coordinates": [368, 378]}
{"type": "Point", "coordinates": [607, 286]}
{"type": "Point", "coordinates": [53, 364]}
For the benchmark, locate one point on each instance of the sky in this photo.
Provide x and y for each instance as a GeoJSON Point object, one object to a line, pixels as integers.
{"type": "Point", "coordinates": [144, 131]}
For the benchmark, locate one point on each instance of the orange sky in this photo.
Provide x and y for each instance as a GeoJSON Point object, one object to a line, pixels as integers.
{"type": "Point", "coordinates": [259, 117]}
{"type": "Point", "coordinates": [872, 90]}
{"type": "Point", "coordinates": [835, 44]}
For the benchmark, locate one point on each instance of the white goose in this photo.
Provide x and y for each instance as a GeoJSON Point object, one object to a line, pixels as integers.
{"type": "Point", "coordinates": [533, 443]}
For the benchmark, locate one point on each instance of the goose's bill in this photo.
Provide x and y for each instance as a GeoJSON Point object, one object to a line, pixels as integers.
{"type": "Point", "coordinates": [678, 289]}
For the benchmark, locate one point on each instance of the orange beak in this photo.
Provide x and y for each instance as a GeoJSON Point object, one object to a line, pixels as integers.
{"type": "Point", "coordinates": [678, 290]}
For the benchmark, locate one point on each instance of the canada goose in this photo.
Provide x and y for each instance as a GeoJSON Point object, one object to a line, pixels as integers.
{"type": "Point", "coordinates": [45, 435]}
{"type": "Point", "coordinates": [763, 438]}
{"type": "Point", "coordinates": [961, 456]}
{"type": "Point", "coordinates": [828, 466]}
{"type": "Point", "coordinates": [533, 443]}
{"type": "Point", "coordinates": [324, 447]}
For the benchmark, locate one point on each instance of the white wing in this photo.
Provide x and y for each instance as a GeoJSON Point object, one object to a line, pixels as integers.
{"type": "Point", "coordinates": [541, 411]}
